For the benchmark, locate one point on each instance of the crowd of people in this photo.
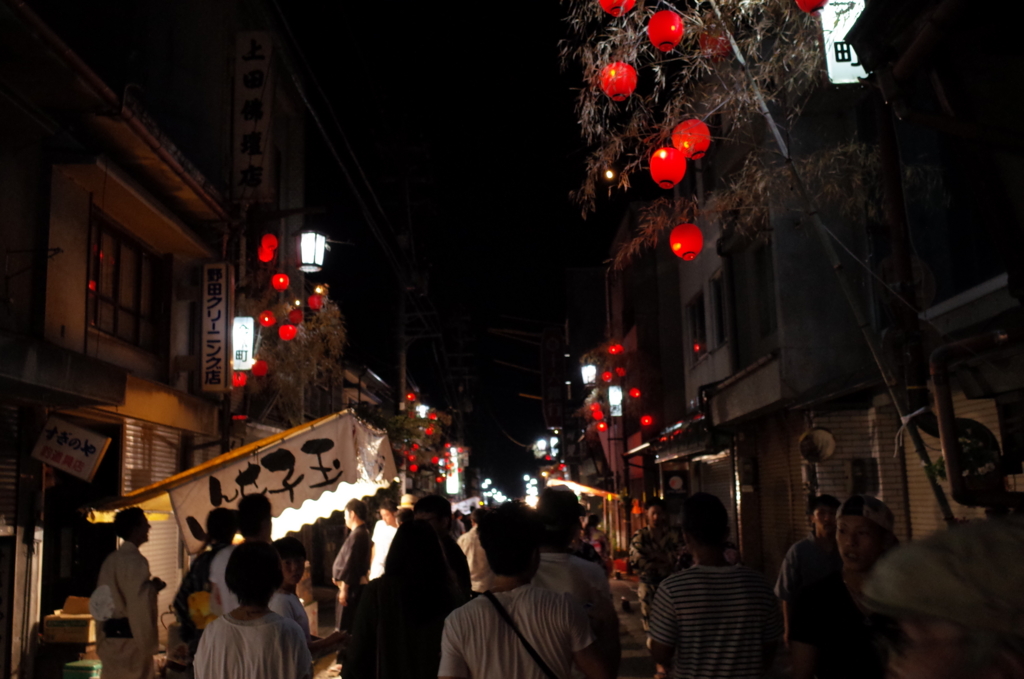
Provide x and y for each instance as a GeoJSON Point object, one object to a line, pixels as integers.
{"type": "Point", "coordinates": [525, 593]}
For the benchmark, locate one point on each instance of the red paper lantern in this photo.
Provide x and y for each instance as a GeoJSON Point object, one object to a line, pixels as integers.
{"type": "Point", "coordinates": [686, 241]}
{"type": "Point", "coordinates": [646, 421]}
{"type": "Point", "coordinates": [597, 415]}
{"type": "Point", "coordinates": [432, 416]}
{"type": "Point", "coordinates": [617, 7]}
{"type": "Point", "coordinates": [439, 479]}
{"type": "Point", "coordinates": [287, 332]}
{"type": "Point", "coordinates": [315, 302]}
{"type": "Point", "coordinates": [414, 468]}
{"type": "Point", "coordinates": [269, 241]}
{"type": "Point", "coordinates": [810, 6]}
{"type": "Point", "coordinates": [615, 349]}
{"type": "Point", "coordinates": [595, 406]}
{"type": "Point", "coordinates": [415, 446]}
{"type": "Point", "coordinates": [668, 167]}
{"type": "Point", "coordinates": [607, 376]}
{"type": "Point", "coordinates": [430, 431]}
{"type": "Point", "coordinates": [435, 459]}
{"type": "Point", "coordinates": [714, 46]}
{"type": "Point", "coordinates": [634, 392]}
{"type": "Point", "coordinates": [267, 318]}
{"type": "Point", "coordinates": [239, 378]}
{"type": "Point", "coordinates": [411, 396]}
{"type": "Point", "coordinates": [260, 368]}
{"type": "Point", "coordinates": [665, 29]}
{"type": "Point", "coordinates": [295, 316]}
{"type": "Point", "coordinates": [618, 80]}
{"type": "Point", "coordinates": [602, 426]}
{"type": "Point", "coordinates": [620, 371]}
{"type": "Point", "coordinates": [696, 347]}
{"type": "Point", "coordinates": [279, 281]}
{"type": "Point", "coordinates": [264, 254]}
{"type": "Point", "coordinates": [692, 137]}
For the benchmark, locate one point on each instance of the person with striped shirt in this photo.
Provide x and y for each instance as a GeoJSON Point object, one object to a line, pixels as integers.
{"type": "Point", "coordinates": [713, 620]}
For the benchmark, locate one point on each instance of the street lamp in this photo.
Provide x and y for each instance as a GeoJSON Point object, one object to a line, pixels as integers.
{"type": "Point", "coordinates": [615, 399]}
{"type": "Point", "coordinates": [311, 251]}
{"type": "Point", "coordinates": [589, 375]}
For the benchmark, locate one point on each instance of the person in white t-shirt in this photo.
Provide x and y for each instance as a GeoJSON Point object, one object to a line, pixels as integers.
{"type": "Point", "coordinates": [479, 642]}
{"type": "Point", "coordinates": [480, 575]}
{"type": "Point", "coordinates": [383, 533]}
{"type": "Point", "coordinates": [251, 641]}
{"type": "Point", "coordinates": [254, 523]}
{"type": "Point", "coordinates": [286, 602]}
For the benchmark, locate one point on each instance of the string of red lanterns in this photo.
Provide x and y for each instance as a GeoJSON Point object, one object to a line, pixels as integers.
{"type": "Point", "coordinates": [279, 281]}
{"type": "Point", "coordinates": [287, 332]}
{"type": "Point", "coordinates": [295, 316]}
{"type": "Point", "coordinates": [316, 302]}
{"type": "Point", "coordinates": [618, 80]}
{"type": "Point", "coordinates": [692, 137]}
{"type": "Point", "coordinates": [665, 29]}
{"type": "Point", "coordinates": [260, 368]}
{"type": "Point", "coordinates": [686, 241]}
{"type": "Point", "coordinates": [267, 318]}
{"type": "Point", "coordinates": [668, 167]}
{"type": "Point", "coordinates": [617, 7]}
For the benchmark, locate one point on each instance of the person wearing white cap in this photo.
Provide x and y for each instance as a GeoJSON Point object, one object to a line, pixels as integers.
{"type": "Point", "coordinates": [959, 599]}
{"type": "Point", "coordinates": [832, 634]}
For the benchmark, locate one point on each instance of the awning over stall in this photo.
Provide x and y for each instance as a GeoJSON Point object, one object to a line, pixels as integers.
{"type": "Point", "coordinates": [306, 472]}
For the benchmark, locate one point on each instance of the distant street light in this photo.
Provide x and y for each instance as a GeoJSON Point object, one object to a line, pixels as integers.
{"type": "Point", "coordinates": [589, 375]}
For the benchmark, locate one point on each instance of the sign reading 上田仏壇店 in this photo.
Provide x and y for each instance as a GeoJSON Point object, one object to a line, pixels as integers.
{"type": "Point", "coordinates": [70, 448]}
{"type": "Point", "coordinates": [218, 289]}
{"type": "Point", "coordinates": [253, 103]}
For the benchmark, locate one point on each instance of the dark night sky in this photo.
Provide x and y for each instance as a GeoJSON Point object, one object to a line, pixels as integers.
{"type": "Point", "coordinates": [468, 104]}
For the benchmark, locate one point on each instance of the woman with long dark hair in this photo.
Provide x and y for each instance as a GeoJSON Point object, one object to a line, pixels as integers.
{"type": "Point", "coordinates": [397, 632]}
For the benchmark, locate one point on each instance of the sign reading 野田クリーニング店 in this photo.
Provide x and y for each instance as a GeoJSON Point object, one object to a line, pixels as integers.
{"type": "Point", "coordinates": [217, 296]}
{"type": "Point", "coordinates": [70, 448]}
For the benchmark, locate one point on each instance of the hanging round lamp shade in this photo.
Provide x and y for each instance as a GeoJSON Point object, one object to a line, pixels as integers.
{"type": "Point", "coordinates": [646, 420]}
{"type": "Point", "coordinates": [607, 376]}
{"type": "Point", "coordinates": [260, 368]}
{"type": "Point", "coordinates": [597, 414]}
{"type": "Point", "coordinates": [312, 245]}
{"type": "Point", "coordinates": [615, 349]}
{"type": "Point", "coordinates": [269, 241]}
{"type": "Point", "coordinates": [618, 80]}
{"type": "Point", "coordinates": [810, 6]}
{"type": "Point", "coordinates": [686, 241]}
{"type": "Point", "coordinates": [239, 379]}
{"type": "Point", "coordinates": [634, 392]}
{"type": "Point", "coordinates": [617, 7]}
{"type": "Point", "coordinates": [316, 302]}
{"type": "Point", "coordinates": [279, 281]}
{"type": "Point", "coordinates": [602, 426]}
{"type": "Point", "coordinates": [267, 318]}
{"type": "Point", "coordinates": [668, 167]}
{"type": "Point", "coordinates": [287, 332]}
{"type": "Point", "coordinates": [295, 316]}
{"type": "Point", "coordinates": [714, 46]}
{"type": "Point", "coordinates": [692, 138]}
{"type": "Point", "coordinates": [665, 29]}
{"type": "Point", "coordinates": [265, 255]}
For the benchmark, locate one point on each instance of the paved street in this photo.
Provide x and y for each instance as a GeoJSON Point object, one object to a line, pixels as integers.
{"type": "Point", "coordinates": [636, 659]}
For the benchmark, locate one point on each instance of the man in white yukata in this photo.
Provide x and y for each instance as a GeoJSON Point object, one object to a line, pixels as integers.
{"type": "Point", "coordinates": [125, 602]}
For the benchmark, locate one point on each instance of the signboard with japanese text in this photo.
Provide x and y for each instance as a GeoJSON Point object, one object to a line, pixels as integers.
{"type": "Point", "coordinates": [217, 290]}
{"type": "Point", "coordinates": [552, 376]}
{"type": "Point", "coordinates": [242, 337]}
{"type": "Point", "coordinates": [253, 103]}
{"type": "Point", "coordinates": [70, 448]}
{"type": "Point", "coordinates": [837, 18]}
{"type": "Point", "coordinates": [291, 473]}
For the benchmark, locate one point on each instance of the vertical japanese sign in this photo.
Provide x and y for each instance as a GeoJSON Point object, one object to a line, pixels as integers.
{"type": "Point", "coordinates": [70, 448]}
{"type": "Point", "coordinates": [552, 376]}
{"type": "Point", "coordinates": [254, 100]}
{"type": "Point", "coordinates": [837, 18]}
{"type": "Point", "coordinates": [242, 337]}
{"type": "Point", "coordinates": [218, 289]}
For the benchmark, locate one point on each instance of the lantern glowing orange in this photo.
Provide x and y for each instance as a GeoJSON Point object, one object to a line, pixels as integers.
{"type": "Point", "coordinates": [668, 167]}
{"type": "Point", "coordinates": [665, 29]}
{"type": "Point", "coordinates": [435, 459]}
{"type": "Point", "coordinates": [269, 241]}
{"type": "Point", "coordinates": [618, 80]}
{"type": "Point", "coordinates": [686, 241]}
{"type": "Point", "coordinates": [617, 7]}
{"type": "Point", "coordinates": [692, 137]}
{"type": "Point", "coordinates": [295, 316]}
{"type": "Point", "coordinates": [714, 46]}
{"type": "Point", "coordinates": [432, 416]}
{"type": "Point", "coordinates": [597, 415]}
{"type": "Point", "coordinates": [607, 376]}
{"type": "Point", "coordinates": [315, 302]}
{"type": "Point", "coordinates": [429, 431]}
{"type": "Point", "coordinates": [260, 368]}
{"type": "Point", "coordinates": [414, 468]}
{"type": "Point", "coordinates": [810, 6]}
{"type": "Point", "coordinates": [602, 426]}
{"type": "Point", "coordinates": [634, 392]}
{"type": "Point", "coordinates": [439, 479]}
{"type": "Point", "coordinates": [646, 421]}
{"type": "Point", "coordinates": [279, 281]}
{"type": "Point", "coordinates": [615, 349]}
{"type": "Point", "coordinates": [595, 405]}
{"type": "Point", "coordinates": [287, 332]}
{"type": "Point", "coordinates": [267, 318]}
{"type": "Point", "coordinates": [264, 254]}
{"type": "Point", "coordinates": [411, 396]}
{"type": "Point", "coordinates": [239, 378]}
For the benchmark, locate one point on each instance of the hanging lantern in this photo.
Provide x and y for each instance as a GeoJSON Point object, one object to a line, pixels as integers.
{"type": "Point", "coordinates": [810, 6]}
{"type": "Point", "coordinates": [620, 371]}
{"type": "Point", "coordinates": [429, 431]}
{"type": "Point", "coordinates": [439, 479]}
{"type": "Point", "coordinates": [264, 254]}
{"type": "Point", "coordinates": [714, 46]}
{"type": "Point", "coordinates": [311, 251]}
{"type": "Point", "coordinates": [634, 393]}
{"type": "Point", "coordinates": [686, 241]}
{"type": "Point", "coordinates": [646, 421]}
{"type": "Point", "coordinates": [692, 137]}
{"type": "Point", "coordinates": [435, 459]}
{"type": "Point", "coordinates": [279, 281]}
{"type": "Point", "coordinates": [618, 80]}
{"type": "Point", "coordinates": [260, 368]}
{"type": "Point", "coordinates": [295, 316]}
{"type": "Point", "coordinates": [315, 302]}
{"type": "Point", "coordinates": [269, 241]}
{"type": "Point", "coordinates": [411, 396]}
{"type": "Point", "coordinates": [607, 376]}
{"type": "Point", "coordinates": [615, 349]}
{"type": "Point", "coordinates": [668, 167]}
{"type": "Point", "coordinates": [287, 332]}
{"type": "Point", "coordinates": [239, 378]}
{"type": "Point", "coordinates": [617, 7]}
{"type": "Point", "coordinates": [665, 29]}
{"type": "Point", "coordinates": [267, 318]}
{"type": "Point", "coordinates": [414, 468]}
{"type": "Point", "coordinates": [597, 415]}
{"type": "Point", "coordinates": [602, 426]}
{"type": "Point", "coordinates": [432, 416]}
{"type": "Point", "coordinates": [696, 347]}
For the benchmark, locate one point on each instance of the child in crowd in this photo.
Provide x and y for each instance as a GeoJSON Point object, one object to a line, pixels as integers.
{"type": "Point", "coordinates": [285, 601]}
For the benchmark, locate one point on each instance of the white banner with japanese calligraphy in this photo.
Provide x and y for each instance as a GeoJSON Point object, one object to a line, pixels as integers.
{"type": "Point", "coordinates": [218, 293]}
{"type": "Point", "coordinates": [306, 476]}
{"type": "Point", "coordinates": [253, 103]}
{"type": "Point", "coordinates": [70, 448]}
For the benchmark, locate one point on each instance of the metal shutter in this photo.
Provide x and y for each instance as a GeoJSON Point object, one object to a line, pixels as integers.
{"type": "Point", "coordinates": [8, 464]}
{"type": "Point", "coordinates": [716, 478]}
{"type": "Point", "coordinates": [163, 552]}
